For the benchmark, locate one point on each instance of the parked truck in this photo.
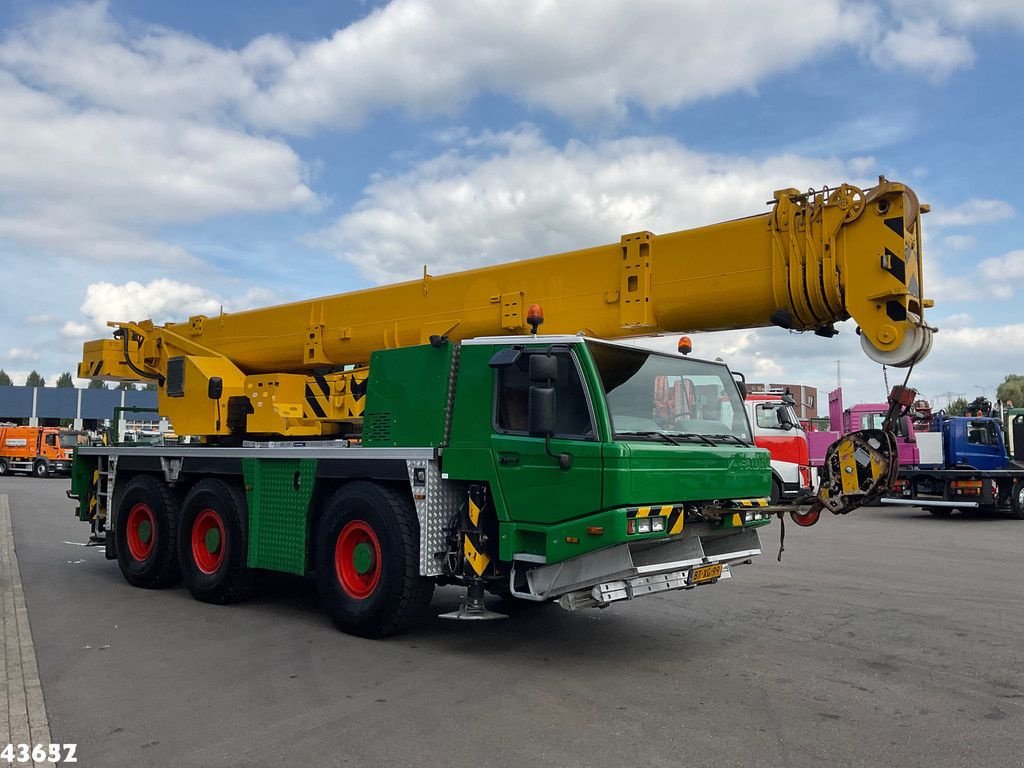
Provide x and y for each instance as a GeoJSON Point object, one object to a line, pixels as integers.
{"type": "Point", "coordinates": [39, 451]}
{"type": "Point", "coordinates": [843, 421]}
{"type": "Point", "coordinates": [965, 464]}
{"type": "Point", "coordinates": [776, 428]}
{"type": "Point", "coordinates": [396, 438]}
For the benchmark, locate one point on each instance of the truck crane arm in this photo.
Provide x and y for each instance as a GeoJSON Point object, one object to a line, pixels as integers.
{"type": "Point", "coordinates": [814, 259]}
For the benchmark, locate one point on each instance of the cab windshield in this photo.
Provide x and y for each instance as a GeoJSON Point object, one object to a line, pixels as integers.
{"type": "Point", "coordinates": [655, 396]}
{"type": "Point", "coordinates": [69, 440]}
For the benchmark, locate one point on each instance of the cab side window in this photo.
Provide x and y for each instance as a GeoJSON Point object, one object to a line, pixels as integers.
{"type": "Point", "coordinates": [768, 417]}
{"type": "Point", "coordinates": [981, 433]}
{"type": "Point", "coordinates": [572, 413]}
{"type": "Point", "coordinates": [51, 439]}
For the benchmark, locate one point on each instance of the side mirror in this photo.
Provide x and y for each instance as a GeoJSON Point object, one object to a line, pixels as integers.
{"type": "Point", "coordinates": [543, 368]}
{"type": "Point", "coordinates": [215, 388]}
{"type": "Point", "coordinates": [741, 383]}
{"type": "Point", "coordinates": [541, 414]}
{"type": "Point", "coordinates": [908, 428]}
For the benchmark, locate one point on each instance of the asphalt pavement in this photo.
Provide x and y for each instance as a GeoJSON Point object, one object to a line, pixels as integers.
{"type": "Point", "coordinates": [886, 637]}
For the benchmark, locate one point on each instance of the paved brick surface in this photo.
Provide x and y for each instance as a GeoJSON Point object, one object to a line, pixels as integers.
{"type": "Point", "coordinates": [22, 710]}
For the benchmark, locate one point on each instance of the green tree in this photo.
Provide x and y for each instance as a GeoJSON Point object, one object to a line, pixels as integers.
{"type": "Point", "coordinates": [96, 384]}
{"type": "Point", "coordinates": [35, 380]}
{"type": "Point", "coordinates": [1012, 389]}
{"type": "Point", "coordinates": [5, 380]}
{"type": "Point", "coordinates": [957, 407]}
{"type": "Point", "coordinates": [64, 381]}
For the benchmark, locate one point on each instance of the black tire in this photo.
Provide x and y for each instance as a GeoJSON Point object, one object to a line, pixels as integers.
{"type": "Point", "coordinates": [940, 511]}
{"type": "Point", "coordinates": [1017, 500]}
{"type": "Point", "coordinates": [776, 495]}
{"type": "Point", "coordinates": [147, 559]}
{"type": "Point", "coordinates": [215, 571]}
{"type": "Point", "coordinates": [3, 467]}
{"type": "Point", "coordinates": [388, 595]}
{"type": "Point", "coordinates": [40, 469]}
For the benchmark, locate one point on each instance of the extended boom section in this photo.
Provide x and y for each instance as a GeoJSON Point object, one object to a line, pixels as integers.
{"type": "Point", "coordinates": [814, 259]}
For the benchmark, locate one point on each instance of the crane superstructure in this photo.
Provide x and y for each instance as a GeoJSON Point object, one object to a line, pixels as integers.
{"type": "Point", "coordinates": [394, 437]}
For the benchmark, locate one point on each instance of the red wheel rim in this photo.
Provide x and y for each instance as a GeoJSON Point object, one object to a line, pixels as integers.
{"type": "Point", "coordinates": [806, 519]}
{"type": "Point", "coordinates": [141, 531]}
{"type": "Point", "coordinates": [357, 559]}
{"type": "Point", "coordinates": [208, 541]}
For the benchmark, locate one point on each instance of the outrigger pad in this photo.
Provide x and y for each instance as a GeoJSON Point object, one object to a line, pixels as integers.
{"type": "Point", "coordinates": [859, 468]}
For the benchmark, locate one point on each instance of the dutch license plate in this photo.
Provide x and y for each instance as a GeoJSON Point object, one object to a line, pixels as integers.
{"type": "Point", "coordinates": [705, 573]}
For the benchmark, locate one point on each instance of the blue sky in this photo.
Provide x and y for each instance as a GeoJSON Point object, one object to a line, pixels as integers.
{"type": "Point", "coordinates": [166, 159]}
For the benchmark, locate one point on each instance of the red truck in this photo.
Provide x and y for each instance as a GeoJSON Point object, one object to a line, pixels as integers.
{"type": "Point", "coordinates": [40, 451]}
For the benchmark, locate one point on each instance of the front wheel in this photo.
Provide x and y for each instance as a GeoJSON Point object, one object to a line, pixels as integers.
{"type": "Point", "coordinates": [3, 467]}
{"type": "Point", "coordinates": [367, 561]}
{"type": "Point", "coordinates": [39, 469]}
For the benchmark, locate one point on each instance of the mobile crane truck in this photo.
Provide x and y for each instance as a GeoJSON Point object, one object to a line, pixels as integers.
{"type": "Point", "coordinates": [395, 438]}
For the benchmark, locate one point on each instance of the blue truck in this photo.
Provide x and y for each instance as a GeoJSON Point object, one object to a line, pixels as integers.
{"type": "Point", "coordinates": [967, 463]}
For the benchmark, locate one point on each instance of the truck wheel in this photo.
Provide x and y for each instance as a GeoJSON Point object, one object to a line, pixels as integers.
{"type": "Point", "coordinates": [776, 493]}
{"type": "Point", "coordinates": [3, 467]}
{"type": "Point", "coordinates": [1017, 500]}
{"type": "Point", "coordinates": [367, 561]}
{"type": "Point", "coordinates": [940, 511]}
{"type": "Point", "coordinates": [145, 533]}
{"type": "Point", "coordinates": [39, 469]}
{"type": "Point", "coordinates": [213, 543]}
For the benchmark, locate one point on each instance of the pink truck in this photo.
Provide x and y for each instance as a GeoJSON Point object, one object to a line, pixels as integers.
{"type": "Point", "coordinates": [856, 417]}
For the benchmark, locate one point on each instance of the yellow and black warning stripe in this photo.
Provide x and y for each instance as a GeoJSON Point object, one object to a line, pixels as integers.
{"type": "Point", "coordinates": [751, 502]}
{"type": "Point", "coordinates": [674, 513]}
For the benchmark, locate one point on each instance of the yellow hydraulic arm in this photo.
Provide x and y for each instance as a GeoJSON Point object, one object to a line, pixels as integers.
{"type": "Point", "coordinates": [813, 259]}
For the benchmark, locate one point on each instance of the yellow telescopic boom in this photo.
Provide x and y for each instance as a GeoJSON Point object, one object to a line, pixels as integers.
{"type": "Point", "coordinates": [812, 260]}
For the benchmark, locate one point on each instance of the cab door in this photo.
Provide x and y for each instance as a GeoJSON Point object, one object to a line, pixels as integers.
{"type": "Point", "coordinates": [535, 488]}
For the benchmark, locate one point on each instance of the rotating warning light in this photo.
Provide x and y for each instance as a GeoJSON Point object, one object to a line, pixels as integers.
{"type": "Point", "coordinates": [684, 346]}
{"type": "Point", "coordinates": [535, 317]}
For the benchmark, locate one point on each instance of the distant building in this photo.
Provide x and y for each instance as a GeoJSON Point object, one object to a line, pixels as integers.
{"type": "Point", "coordinates": [77, 408]}
{"type": "Point", "coordinates": [806, 397]}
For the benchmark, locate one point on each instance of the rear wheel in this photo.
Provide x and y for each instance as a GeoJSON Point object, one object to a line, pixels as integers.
{"type": "Point", "coordinates": [40, 469]}
{"type": "Point", "coordinates": [367, 561]}
{"type": "Point", "coordinates": [145, 533]}
{"type": "Point", "coordinates": [3, 467]}
{"type": "Point", "coordinates": [1017, 500]}
{"type": "Point", "coordinates": [213, 543]}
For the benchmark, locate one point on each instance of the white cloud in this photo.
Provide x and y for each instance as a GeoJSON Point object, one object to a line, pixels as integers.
{"type": "Point", "coordinates": [161, 300]}
{"type": "Point", "coordinates": [966, 13]}
{"type": "Point", "coordinates": [922, 45]}
{"type": "Point", "coordinates": [15, 354]}
{"type": "Point", "coordinates": [432, 56]}
{"type": "Point", "coordinates": [578, 59]}
{"type": "Point", "coordinates": [42, 319]}
{"type": "Point", "coordinates": [971, 213]}
{"type": "Point", "coordinates": [500, 197]}
{"type": "Point", "coordinates": [959, 242]}
{"type": "Point", "coordinates": [82, 173]}
{"type": "Point", "coordinates": [1001, 272]}
{"type": "Point", "coordinates": [73, 330]}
